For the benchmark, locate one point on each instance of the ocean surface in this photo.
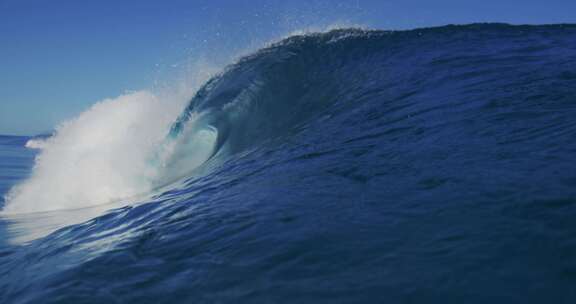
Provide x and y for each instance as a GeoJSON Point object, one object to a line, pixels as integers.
{"type": "Point", "coordinates": [352, 166]}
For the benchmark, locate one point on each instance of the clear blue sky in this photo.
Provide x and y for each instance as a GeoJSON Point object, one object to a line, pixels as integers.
{"type": "Point", "coordinates": [59, 56]}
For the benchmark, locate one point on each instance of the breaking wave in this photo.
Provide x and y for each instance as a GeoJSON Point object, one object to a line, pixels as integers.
{"type": "Point", "coordinates": [432, 165]}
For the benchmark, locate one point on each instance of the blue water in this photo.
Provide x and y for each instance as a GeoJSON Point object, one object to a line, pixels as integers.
{"type": "Point", "coordinates": [427, 166]}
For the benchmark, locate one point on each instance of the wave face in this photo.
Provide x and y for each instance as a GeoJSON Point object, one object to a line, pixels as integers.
{"type": "Point", "coordinates": [432, 165]}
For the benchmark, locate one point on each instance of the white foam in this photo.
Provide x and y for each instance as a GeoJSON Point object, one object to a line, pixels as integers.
{"type": "Point", "coordinates": [106, 153]}
{"type": "Point", "coordinates": [36, 143]}
{"type": "Point", "coordinates": [98, 157]}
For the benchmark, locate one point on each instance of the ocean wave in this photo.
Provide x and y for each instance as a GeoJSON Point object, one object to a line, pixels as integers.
{"type": "Point", "coordinates": [353, 165]}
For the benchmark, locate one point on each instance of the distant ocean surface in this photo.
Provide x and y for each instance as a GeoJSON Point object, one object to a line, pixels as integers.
{"type": "Point", "coordinates": [353, 166]}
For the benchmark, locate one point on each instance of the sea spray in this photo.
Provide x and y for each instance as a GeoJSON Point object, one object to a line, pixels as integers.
{"type": "Point", "coordinates": [98, 157]}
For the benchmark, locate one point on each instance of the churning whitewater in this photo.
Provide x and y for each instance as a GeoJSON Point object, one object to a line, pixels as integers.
{"type": "Point", "coordinates": [357, 166]}
{"type": "Point", "coordinates": [115, 150]}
